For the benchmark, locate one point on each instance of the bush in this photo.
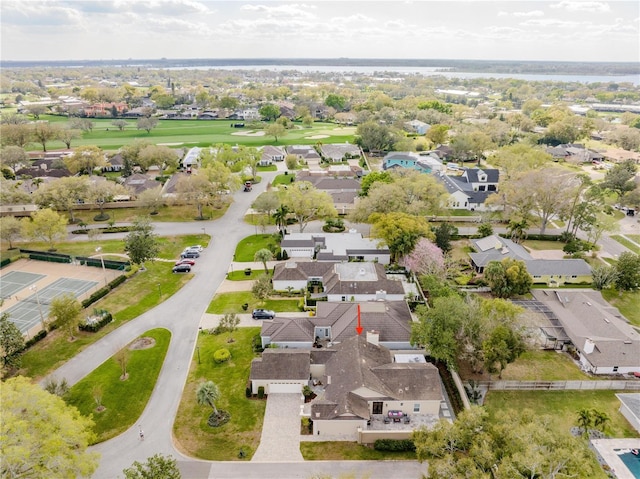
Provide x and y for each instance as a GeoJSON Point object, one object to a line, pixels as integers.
{"type": "Point", "coordinates": [5, 262]}
{"type": "Point", "coordinates": [256, 344]}
{"type": "Point", "coordinates": [102, 292]}
{"type": "Point", "coordinates": [247, 392]}
{"type": "Point", "coordinates": [285, 256]}
{"type": "Point", "coordinates": [92, 326]}
{"type": "Point", "coordinates": [221, 355]}
{"type": "Point", "coordinates": [394, 445]}
{"type": "Point", "coordinates": [261, 392]}
{"type": "Point", "coordinates": [39, 336]}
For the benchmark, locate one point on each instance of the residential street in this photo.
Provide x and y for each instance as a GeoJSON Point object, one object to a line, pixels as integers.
{"type": "Point", "coordinates": [182, 314]}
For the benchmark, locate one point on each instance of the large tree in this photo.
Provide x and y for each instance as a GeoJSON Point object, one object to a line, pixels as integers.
{"type": "Point", "coordinates": [45, 225]}
{"type": "Point", "coordinates": [157, 155]}
{"type": "Point", "coordinates": [41, 435]}
{"type": "Point", "coordinates": [503, 346]}
{"type": "Point", "coordinates": [63, 194]}
{"type": "Point", "coordinates": [508, 277]}
{"type": "Point", "coordinates": [620, 178]}
{"type": "Point", "coordinates": [426, 258]}
{"type": "Point", "coordinates": [628, 272]}
{"type": "Point", "coordinates": [399, 231]}
{"type": "Point", "coordinates": [146, 123]}
{"type": "Point", "coordinates": [67, 135]}
{"type": "Point", "coordinates": [11, 342]}
{"type": "Point", "coordinates": [155, 467]}
{"type": "Point", "coordinates": [373, 136]}
{"type": "Point", "coordinates": [44, 132]}
{"type": "Point", "coordinates": [65, 312]}
{"type": "Point", "coordinates": [16, 134]}
{"type": "Point", "coordinates": [263, 255]}
{"type": "Point", "coordinates": [370, 179]}
{"type": "Point", "coordinates": [511, 445]}
{"type": "Point", "coordinates": [266, 203]}
{"type": "Point", "coordinates": [269, 111]}
{"type": "Point", "coordinates": [276, 130]}
{"type": "Point", "coordinates": [306, 203]}
{"type": "Point", "coordinates": [10, 229]}
{"type": "Point", "coordinates": [85, 159]}
{"type": "Point", "coordinates": [518, 158]}
{"type": "Point", "coordinates": [13, 157]}
{"type": "Point", "coordinates": [198, 190]}
{"type": "Point", "coordinates": [102, 192]}
{"type": "Point", "coordinates": [151, 199]}
{"type": "Point", "coordinates": [141, 244]}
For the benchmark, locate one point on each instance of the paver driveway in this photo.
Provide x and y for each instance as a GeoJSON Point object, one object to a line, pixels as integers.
{"type": "Point", "coordinates": [280, 440]}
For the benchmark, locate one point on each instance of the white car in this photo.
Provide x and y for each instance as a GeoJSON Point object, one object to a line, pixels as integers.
{"type": "Point", "coordinates": [197, 248]}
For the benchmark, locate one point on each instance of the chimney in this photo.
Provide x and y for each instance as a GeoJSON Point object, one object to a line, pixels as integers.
{"type": "Point", "coordinates": [589, 346]}
{"type": "Point", "coordinates": [373, 337]}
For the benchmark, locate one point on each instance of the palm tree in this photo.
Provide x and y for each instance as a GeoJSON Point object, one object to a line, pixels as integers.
{"type": "Point", "coordinates": [207, 394]}
{"type": "Point", "coordinates": [600, 420]}
{"type": "Point", "coordinates": [263, 255]}
{"type": "Point", "coordinates": [280, 216]}
{"type": "Point", "coordinates": [585, 420]}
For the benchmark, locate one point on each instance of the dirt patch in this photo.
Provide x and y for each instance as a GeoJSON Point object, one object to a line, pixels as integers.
{"type": "Point", "coordinates": [143, 343]}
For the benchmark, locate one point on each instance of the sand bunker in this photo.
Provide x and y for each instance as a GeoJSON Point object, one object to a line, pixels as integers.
{"type": "Point", "coordinates": [316, 137]}
{"type": "Point", "coordinates": [170, 144]}
{"type": "Point", "coordinates": [249, 133]}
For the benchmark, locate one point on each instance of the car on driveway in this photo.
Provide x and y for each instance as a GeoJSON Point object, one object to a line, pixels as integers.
{"type": "Point", "coordinates": [196, 247]}
{"type": "Point", "coordinates": [263, 314]}
{"type": "Point", "coordinates": [188, 261]}
{"type": "Point", "coordinates": [189, 254]}
{"type": "Point", "coordinates": [182, 268]}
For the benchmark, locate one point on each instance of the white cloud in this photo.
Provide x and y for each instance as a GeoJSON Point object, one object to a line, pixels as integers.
{"type": "Point", "coordinates": [502, 13]}
{"type": "Point", "coordinates": [580, 6]}
{"type": "Point", "coordinates": [292, 10]}
{"type": "Point", "coordinates": [40, 14]}
{"type": "Point", "coordinates": [532, 13]}
{"type": "Point", "coordinates": [554, 22]}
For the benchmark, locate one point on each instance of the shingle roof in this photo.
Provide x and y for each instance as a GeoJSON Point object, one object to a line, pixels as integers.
{"type": "Point", "coordinates": [281, 364]}
{"type": "Point", "coordinates": [584, 314]}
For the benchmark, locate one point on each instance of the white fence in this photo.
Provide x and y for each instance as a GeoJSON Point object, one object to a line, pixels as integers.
{"type": "Point", "coordinates": [612, 385]}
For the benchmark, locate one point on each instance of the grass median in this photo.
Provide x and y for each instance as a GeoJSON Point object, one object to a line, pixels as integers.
{"type": "Point", "coordinates": [192, 433]}
{"type": "Point", "coordinates": [123, 400]}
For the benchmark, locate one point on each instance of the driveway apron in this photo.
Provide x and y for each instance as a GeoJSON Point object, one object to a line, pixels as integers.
{"type": "Point", "coordinates": [280, 440]}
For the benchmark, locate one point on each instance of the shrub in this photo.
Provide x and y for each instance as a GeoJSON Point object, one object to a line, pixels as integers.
{"type": "Point", "coordinates": [261, 392]}
{"type": "Point", "coordinates": [91, 325]}
{"type": "Point", "coordinates": [394, 445]}
{"type": "Point", "coordinates": [39, 336]}
{"type": "Point", "coordinates": [247, 392]}
{"type": "Point", "coordinates": [284, 254]}
{"type": "Point", "coordinates": [245, 306]}
{"type": "Point", "coordinates": [221, 355]}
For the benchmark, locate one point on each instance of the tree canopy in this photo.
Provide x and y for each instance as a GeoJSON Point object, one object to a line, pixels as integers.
{"type": "Point", "coordinates": [141, 244]}
{"type": "Point", "coordinates": [41, 435]}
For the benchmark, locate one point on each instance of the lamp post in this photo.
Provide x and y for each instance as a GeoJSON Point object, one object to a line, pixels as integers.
{"type": "Point", "coordinates": [35, 289]}
{"type": "Point", "coordinates": [159, 290]}
{"type": "Point", "coordinates": [198, 351]}
{"type": "Point", "coordinates": [203, 231]}
{"type": "Point", "coordinates": [104, 271]}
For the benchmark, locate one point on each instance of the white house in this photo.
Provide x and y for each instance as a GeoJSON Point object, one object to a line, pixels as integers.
{"type": "Point", "coordinates": [349, 246]}
{"type": "Point", "coordinates": [470, 190]}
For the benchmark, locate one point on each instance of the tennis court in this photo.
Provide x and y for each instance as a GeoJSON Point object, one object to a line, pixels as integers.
{"type": "Point", "coordinates": [27, 288]}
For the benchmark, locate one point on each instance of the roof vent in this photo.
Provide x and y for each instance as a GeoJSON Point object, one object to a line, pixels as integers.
{"type": "Point", "coordinates": [362, 272]}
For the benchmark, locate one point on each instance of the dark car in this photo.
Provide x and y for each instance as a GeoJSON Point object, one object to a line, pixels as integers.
{"type": "Point", "coordinates": [190, 262]}
{"type": "Point", "coordinates": [190, 254]}
{"type": "Point", "coordinates": [263, 314]}
{"type": "Point", "coordinates": [247, 186]}
{"type": "Point", "coordinates": [182, 268]}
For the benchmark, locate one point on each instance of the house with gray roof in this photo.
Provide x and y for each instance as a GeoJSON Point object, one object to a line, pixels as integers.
{"type": "Point", "coordinates": [417, 126]}
{"type": "Point", "coordinates": [362, 381]}
{"type": "Point", "coordinates": [337, 152]}
{"type": "Point", "coordinates": [336, 322]}
{"type": "Point", "coordinates": [553, 272]}
{"type": "Point", "coordinates": [351, 246]}
{"type": "Point", "coordinates": [271, 154]}
{"type": "Point", "coordinates": [341, 184]}
{"type": "Point", "coordinates": [280, 371]}
{"type": "Point", "coordinates": [470, 190]}
{"type": "Point", "coordinates": [138, 182]}
{"type": "Point", "coordinates": [339, 281]}
{"type": "Point", "coordinates": [605, 341]}
{"type": "Point", "coordinates": [303, 152]}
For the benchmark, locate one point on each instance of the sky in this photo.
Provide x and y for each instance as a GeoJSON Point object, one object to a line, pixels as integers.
{"type": "Point", "coordinates": [560, 30]}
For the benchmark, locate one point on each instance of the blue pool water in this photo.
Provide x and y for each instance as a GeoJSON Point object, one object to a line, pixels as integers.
{"type": "Point", "coordinates": [632, 462]}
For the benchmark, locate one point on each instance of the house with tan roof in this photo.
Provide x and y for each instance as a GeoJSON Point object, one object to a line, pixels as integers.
{"type": "Point", "coordinates": [337, 152]}
{"type": "Point", "coordinates": [605, 341]}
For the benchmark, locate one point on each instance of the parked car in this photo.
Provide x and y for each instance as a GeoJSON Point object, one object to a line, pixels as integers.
{"type": "Point", "coordinates": [188, 261]}
{"type": "Point", "coordinates": [263, 314]}
{"type": "Point", "coordinates": [189, 254]}
{"type": "Point", "coordinates": [182, 268]}
{"type": "Point", "coordinates": [197, 248]}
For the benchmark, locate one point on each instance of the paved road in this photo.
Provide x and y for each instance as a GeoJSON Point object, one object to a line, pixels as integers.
{"type": "Point", "coordinates": [181, 314]}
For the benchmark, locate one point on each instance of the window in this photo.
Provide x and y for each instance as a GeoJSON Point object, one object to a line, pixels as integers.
{"type": "Point", "coordinates": [377, 408]}
{"type": "Point", "coordinates": [615, 369]}
{"type": "Point", "coordinates": [416, 407]}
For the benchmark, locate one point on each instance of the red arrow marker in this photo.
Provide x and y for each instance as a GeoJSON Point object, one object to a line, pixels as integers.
{"type": "Point", "coordinates": [359, 328]}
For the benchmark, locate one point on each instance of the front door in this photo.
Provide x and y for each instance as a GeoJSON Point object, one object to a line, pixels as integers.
{"type": "Point", "coordinates": [377, 408]}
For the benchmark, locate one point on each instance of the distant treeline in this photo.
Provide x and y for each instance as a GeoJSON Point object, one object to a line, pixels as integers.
{"type": "Point", "coordinates": [479, 66]}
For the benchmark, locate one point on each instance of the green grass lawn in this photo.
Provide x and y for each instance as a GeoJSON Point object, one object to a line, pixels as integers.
{"type": "Point", "coordinates": [124, 400]}
{"type": "Point", "coordinates": [189, 133]}
{"type": "Point", "coordinates": [129, 300]}
{"type": "Point", "coordinates": [232, 303]}
{"type": "Point", "coordinates": [563, 406]}
{"type": "Point", "coordinates": [247, 247]}
{"type": "Point", "coordinates": [625, 242]}
{"type": "Point", "coordinates": [242, 276]}
{"type": "Point", "coordinates": [543, 245]}
{"type": "Point", "coordinates": [635, 238]}
{"type": "Point", "coordinates": [349, 451]}
{"type": "Point", "coordinates": [284, 179]}
{"type": "Point", "coordinates": [192, 433]}
{"type": "Point", "coordinates": [543, 366]}
{"type": "Point", "coordinates": [174, 213]}
{"type": "Point", "coordinates": [628, 302]}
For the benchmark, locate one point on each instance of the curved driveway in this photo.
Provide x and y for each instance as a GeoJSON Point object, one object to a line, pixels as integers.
{"type": "Point", "coordinates": [181, 315]}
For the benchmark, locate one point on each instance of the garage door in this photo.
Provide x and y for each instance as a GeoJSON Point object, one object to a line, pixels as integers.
{"type": "Point", "coordinates": [284, 388]}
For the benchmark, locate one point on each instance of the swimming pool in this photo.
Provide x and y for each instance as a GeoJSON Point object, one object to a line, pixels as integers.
{"type": "Point", "coordinates": [631, 461]}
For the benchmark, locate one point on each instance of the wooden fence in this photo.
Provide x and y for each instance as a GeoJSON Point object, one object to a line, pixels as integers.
{"type": "Point", "coordinates": [611, 385]}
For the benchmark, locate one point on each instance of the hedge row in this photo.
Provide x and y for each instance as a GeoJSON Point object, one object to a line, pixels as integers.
{"type": "Point", "coordinates": [40, 335]}
{"type": "Point", "coordinates": [52, 259]}
{"type": "Point", "coordinates": [110, 229]}
{"type": "Point", "coordinates": [5, 262]}
{"type": "Point", "coordinates": [97, 325]}
{"type": "Point", "coordinates": [102, 292]}
{"type": "Point", "coordinates": [394, 445]}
